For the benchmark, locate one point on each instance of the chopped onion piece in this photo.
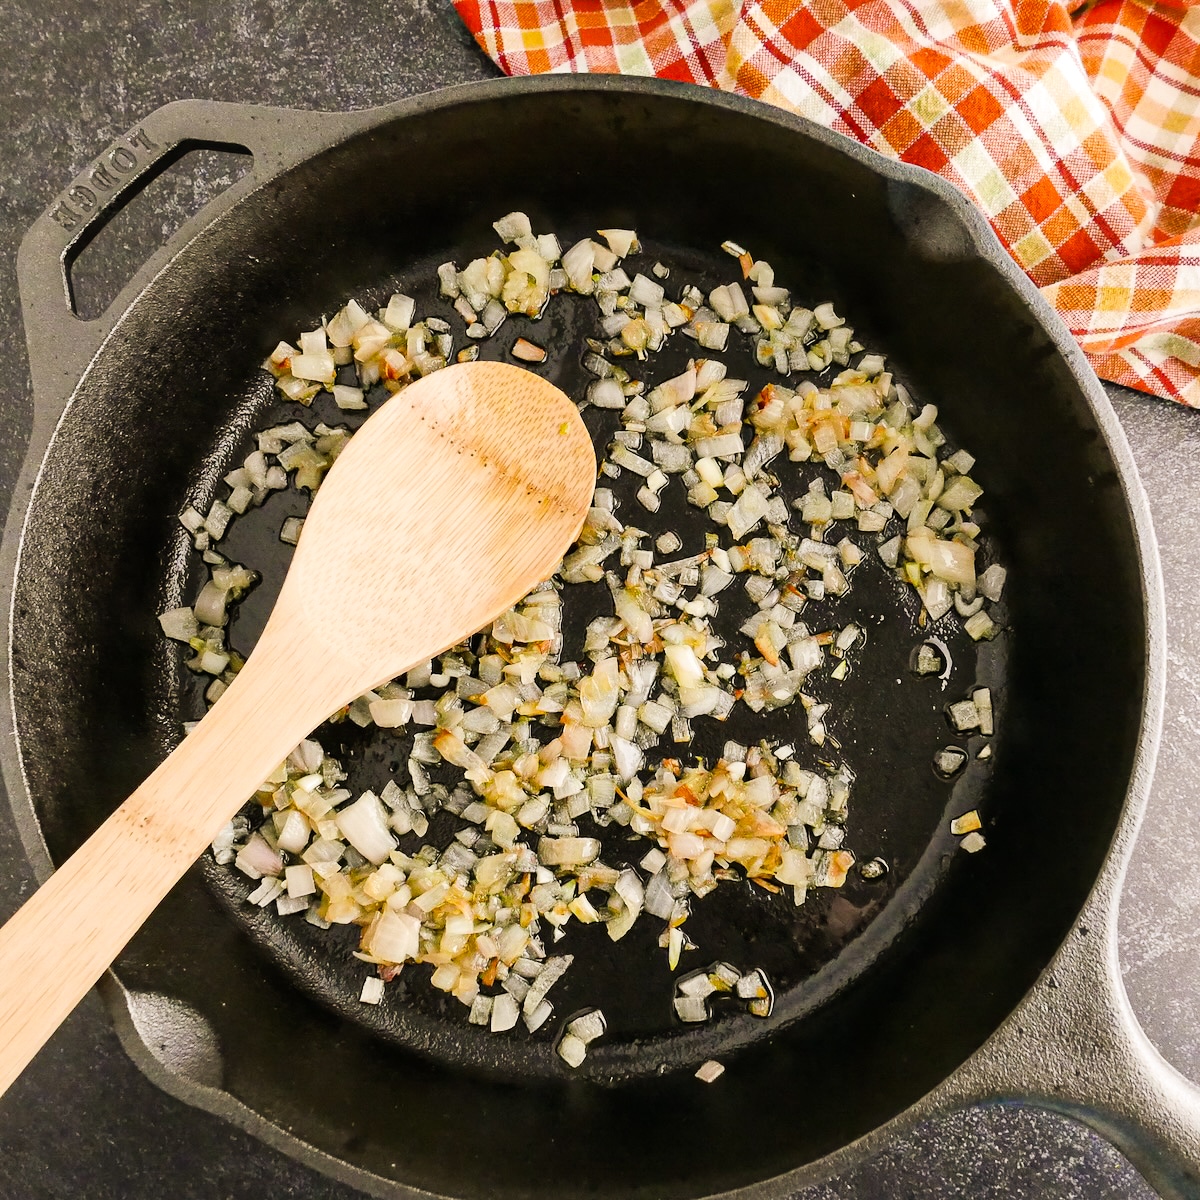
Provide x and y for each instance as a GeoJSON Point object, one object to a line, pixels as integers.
{"type": "Point", "coordinates": [528, 352]}
{"type": "Point", "coordinates": [578, 263]}
{"type": "Point", "coordinates": [513, 227]}
{"type": "Point", "coordinates": [257, 859]}
{"type": "Point", "coordinates": [952, 561]}
{"type": "Point", "coordinates": [567, 851]}
{"type": "Point", "coordinates": [967, 823]}
{"type": "Point", "coordinates": [980, 627]}
{"type": "Point", "coordinates": [364, 824]}
{"type": "Point", "coordinates": [983, 703]}
{"type": "Point", "coordinates": [394, 937]}
{"type": "Point", "coordinates": [991, 582]}
{"type": "Point", "coordinates": [299, 880]}
{"type": "Point", "coordinates": [959, 494]}
{"type": "Point", "coordinates": [949, 761]}
{"type": "Point", "coordinates": [691, 1009]}
{"type": "Point", "coordinates": [348, 398]}
{"type": "Point", "coordinates": [588, 1026]}
{"type": "Point", "coordinates": [180, 624]}
{"type": "Point", "coordinates": [505, 1013]}
{"type": "Point", "coordinates": [622, 242]}
{"type": "Point", "coordinates": [572, 1050]}
{"type": "Point", "coordinates": [550, 974]}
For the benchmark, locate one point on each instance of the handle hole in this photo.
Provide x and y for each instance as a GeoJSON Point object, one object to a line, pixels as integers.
{"type": "Point", "coordinates": [108, 255]}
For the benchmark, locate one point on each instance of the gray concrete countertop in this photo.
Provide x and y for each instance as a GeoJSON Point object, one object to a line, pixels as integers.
{"type": "Point", "coordinates": [83, 1122]}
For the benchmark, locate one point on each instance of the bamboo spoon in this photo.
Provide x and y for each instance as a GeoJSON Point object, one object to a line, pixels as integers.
{"type": "Point", "coordinates": [449, 504]}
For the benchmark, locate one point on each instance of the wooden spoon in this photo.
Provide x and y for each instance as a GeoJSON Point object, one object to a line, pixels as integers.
{"type": "Point", "coordinates": [452, 501]}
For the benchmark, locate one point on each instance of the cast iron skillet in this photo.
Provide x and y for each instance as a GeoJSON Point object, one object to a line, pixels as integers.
{"type": "Point", "coordinates": [956, 980]}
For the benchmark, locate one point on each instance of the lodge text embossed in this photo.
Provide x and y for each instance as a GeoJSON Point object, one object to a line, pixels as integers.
{"type": "Point", "coordinates": [87, 193]}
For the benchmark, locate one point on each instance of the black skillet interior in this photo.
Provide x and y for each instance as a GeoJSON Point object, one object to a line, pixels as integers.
{"type": "Point", "coordinates": [883, 712]}
{"type": "Point", "coordinates": [885, 987]}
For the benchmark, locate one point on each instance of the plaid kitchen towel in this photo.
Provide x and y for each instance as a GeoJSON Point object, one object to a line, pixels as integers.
{"type": "Point", "coordinates": [1076, 128]}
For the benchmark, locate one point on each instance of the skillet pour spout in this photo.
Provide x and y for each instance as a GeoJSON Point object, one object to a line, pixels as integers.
{"type": "Point", "coordinates": [989, 976]}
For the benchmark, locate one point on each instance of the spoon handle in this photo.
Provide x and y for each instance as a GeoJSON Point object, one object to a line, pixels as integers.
{"type": "Point", "coordinates": [62, 939]}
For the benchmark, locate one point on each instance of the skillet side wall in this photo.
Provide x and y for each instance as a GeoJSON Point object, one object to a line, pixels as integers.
{"type": "Point", "coordinates": [88, 664]}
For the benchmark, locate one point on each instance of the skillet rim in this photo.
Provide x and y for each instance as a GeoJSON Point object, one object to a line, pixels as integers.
{"type": "Point", "coordinates": [323, 131]}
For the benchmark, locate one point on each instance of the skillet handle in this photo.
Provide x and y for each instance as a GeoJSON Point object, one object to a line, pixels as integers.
{"type": "Point", "coordinates": [61, 344]}
{"type": "Point", "coordinates": [1074, 1046]}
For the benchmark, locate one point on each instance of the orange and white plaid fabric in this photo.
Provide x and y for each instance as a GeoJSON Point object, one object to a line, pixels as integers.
{"type": "Point", "coordinates": [1076, 128]}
